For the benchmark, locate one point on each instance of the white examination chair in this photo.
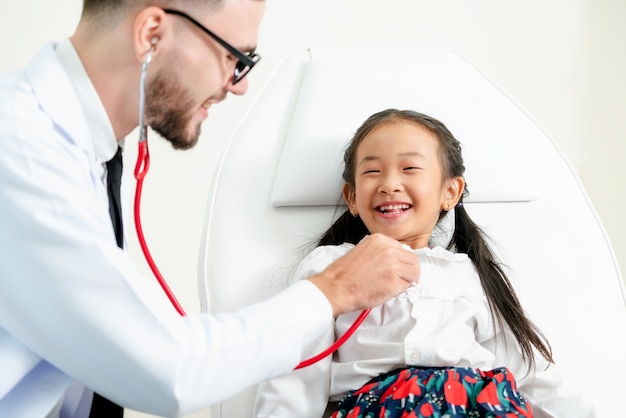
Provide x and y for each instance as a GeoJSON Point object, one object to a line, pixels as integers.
{"type": "Point", "coordinates": [278, 184]}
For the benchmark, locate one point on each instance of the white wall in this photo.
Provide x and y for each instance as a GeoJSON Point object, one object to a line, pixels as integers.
{"type": "Point", "coordinates": [563, 61]}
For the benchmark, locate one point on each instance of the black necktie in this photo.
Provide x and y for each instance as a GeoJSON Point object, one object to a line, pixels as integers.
{"type": "Point", "coordinates": [100, 406]}
{"type": "Point", "coordinates": [114, 181]}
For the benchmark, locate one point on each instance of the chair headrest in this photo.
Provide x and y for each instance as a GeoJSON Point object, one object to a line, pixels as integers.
{"type": "Point", "coordinates": [432, 82]}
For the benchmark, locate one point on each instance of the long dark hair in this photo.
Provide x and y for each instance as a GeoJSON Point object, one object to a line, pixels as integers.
{"type": "Point", "coordinates": [467, 237]}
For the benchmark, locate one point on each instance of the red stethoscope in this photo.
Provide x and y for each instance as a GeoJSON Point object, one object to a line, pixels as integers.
{"type": "Point", "coordinates": [141, 168]}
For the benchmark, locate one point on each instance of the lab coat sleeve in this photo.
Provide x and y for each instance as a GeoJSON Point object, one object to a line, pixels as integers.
{"type": "Point", "coordinates": [70, 296]}
{"type": "Point", "coordinates": [543, 386]}
{"type": "Point", "coordinates": [304, 392]}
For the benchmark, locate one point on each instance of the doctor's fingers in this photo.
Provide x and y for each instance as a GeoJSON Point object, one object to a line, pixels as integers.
{"type": "Point", "coordinates": [396, 265]}
{"type": "Point", "coordinates": [408, 266]}
{"type": "Point", "coordinates": [383, 262]}
{"type": "Point", "coordinates": [390, 253]}
{"type": "Point", "coordinates": [379, 279]}
{"type": "Point", "coordinates": [374, 271]}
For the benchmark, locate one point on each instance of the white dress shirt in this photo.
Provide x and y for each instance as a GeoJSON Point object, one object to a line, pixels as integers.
{"type": "Point", "coordinates": [70, 298]}
{"type": "Point", "coordinates": [443, 321]}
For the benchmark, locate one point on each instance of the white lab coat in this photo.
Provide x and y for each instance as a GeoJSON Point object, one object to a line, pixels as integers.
{"type": "Point", "coordinates": [70, 296]}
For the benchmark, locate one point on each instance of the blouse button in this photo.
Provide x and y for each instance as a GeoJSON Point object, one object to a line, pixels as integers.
{"type": "Point", "coordinates": [415, 356]}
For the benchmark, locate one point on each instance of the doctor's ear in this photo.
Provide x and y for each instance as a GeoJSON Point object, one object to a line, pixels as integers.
{"type": "Point", "coordinates": [148, 26]}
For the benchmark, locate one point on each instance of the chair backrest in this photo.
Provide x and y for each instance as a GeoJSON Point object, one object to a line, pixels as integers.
{"type": "Point", "coordinates": [278, 184]}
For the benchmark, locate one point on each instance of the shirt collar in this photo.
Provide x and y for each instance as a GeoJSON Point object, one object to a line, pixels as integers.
{"type": "Point", "coordinates": [104, 142]}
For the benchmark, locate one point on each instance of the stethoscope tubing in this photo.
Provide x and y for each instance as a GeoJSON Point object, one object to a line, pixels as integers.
{"type": "Point", "coordinates": [141, 169]}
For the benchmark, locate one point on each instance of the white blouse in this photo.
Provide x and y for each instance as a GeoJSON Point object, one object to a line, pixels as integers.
{"type": "Point", "coordinates": [444, 320]}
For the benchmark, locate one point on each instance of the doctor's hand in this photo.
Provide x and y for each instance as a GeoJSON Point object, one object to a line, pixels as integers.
{"type": "Point", "coordinates": [374, 271]}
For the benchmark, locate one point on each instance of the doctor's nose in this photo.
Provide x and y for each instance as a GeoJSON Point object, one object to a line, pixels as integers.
{"type": "Point", "coordinates": [239, 89]}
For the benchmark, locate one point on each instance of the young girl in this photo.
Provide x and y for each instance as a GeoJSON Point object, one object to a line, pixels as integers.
{"type": "Point", "coordinates": [456, 344]}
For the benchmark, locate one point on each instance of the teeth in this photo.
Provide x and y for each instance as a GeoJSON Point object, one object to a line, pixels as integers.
{"type": "Point", "coordinates": [393, 208]}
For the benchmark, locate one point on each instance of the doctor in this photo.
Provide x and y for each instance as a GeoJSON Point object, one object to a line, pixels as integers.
{"type": "Point", "coordinates": [73, 308]}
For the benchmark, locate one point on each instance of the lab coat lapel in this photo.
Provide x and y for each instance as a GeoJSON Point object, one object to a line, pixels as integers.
{"type": "Point", "coordinates": [57, 97]}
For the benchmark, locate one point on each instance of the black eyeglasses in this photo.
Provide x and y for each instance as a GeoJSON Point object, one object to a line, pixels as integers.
{"type": "Point", "coordinates": [245, 62]}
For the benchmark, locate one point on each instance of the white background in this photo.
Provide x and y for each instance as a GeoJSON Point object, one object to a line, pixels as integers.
{"type": "Point", "coordinates": [563, 61]}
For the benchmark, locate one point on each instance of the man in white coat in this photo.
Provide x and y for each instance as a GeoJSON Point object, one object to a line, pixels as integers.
{"type": "Point", "coordinates": [74, 311]}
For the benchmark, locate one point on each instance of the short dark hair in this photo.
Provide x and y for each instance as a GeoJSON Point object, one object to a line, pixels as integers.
{"type": "Point", "coordinates": [111, 10]}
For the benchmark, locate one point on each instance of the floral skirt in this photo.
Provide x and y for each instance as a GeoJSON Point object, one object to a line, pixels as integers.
{"type": "Point", "coordinates": [436, 392]}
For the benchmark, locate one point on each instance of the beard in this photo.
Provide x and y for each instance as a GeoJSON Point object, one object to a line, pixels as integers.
{"type": "Point", "coordinates": [168, 111]}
